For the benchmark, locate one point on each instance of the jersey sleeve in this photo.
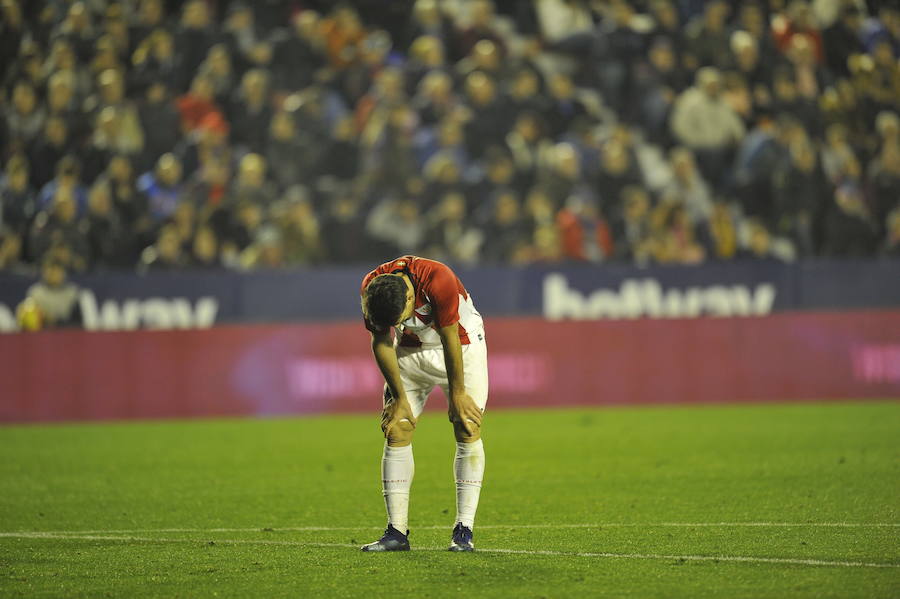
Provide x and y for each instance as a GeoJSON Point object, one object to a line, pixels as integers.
{"type": "Point", "coordinates": [444, 290]}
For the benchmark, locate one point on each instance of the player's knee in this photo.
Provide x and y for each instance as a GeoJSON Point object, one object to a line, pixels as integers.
{"type": "Point", "coordinates": [467, 436]}
{"type": "Point", "coordinates": [401, 433]}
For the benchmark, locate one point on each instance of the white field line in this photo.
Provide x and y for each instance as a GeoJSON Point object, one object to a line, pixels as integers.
{"type": "Point", "coordinates": [643, 556]}
{"type": "Point", "coordinates": [14, 533]}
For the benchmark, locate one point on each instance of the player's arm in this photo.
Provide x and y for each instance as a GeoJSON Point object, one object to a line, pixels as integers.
{"type": "Point", "coordinates": [386, 358]}
{"type": "Point", "coordinates": [462, 408]}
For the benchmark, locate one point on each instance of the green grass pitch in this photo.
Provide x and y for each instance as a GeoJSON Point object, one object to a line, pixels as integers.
{"type": "Point", "coordinates": [774, 500]}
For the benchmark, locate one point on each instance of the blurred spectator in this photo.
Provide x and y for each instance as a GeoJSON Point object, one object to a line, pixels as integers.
{"type": "Point", "coordinates": [703, 121]}
{"type": "Point", "coordinates": [299, 54]}
{"type": "Point", "coordinates": [150, 16]}
{"type": "Point", "coordinates": [184, 222]}
{"type": "Point", "coordinates": [397, 225]}
{"type": "Point", "coordinates": [193, 39]}
{"type": "Point", "coordinates": [241, 37]}
{"type": "Point", "coordinates": [584, 233]}
{"type": "Point", "coordinates": [245, 226]}
{"type": "Point", "coordinates": [104, 229]}
{"type": "Point", "coordinates": [721, 233]}
{"type": "Point", "coordinates": [849, 228]}
{"type": "Point", "coordinates": [687, 187]}
{"type": "Point", "coordinates": [165, 254]}
{"type": "Point", "coordinates": [205, 249]}
{"type": "Point", "coordinates": [450, 236]}
{"type": "Point", "coordinates": [499, 175]}
{"type": "Point", "coordinates": [426, 57]}
{"type": "Point", "coordinates": [198, 104]}
{"type": "Point", "coordinates": [59, 224]}
{"type": "Point", "coordinates": [299, 228]}
{"type": "Point", "coordinates": [632, 231]}
{"type": "Point", "coordinates": [616, 171]}
{"type": "Point", "coordinates": [340, 156]}
{"type": "Point", "coordinates": [24, 115]}
{"type": "Point", "coordinates": [526, 93]}
{"type": "Point", "coordinates": [884, 181]}
{"type": "Point", "coordinates": [12, 256]}
{"type": "Point", "coordinates": [505, 231]}
{"type": "Point", "coordinates": [250, 112]}
{"type": "Point", "coordinates": [162, 186]}
{"type": "Point", "coordinates": [880, 77]}
{"type": "Point", "coordinates": [564, 108]}
{"type": "Point", "coordinates": [217, 69]}
{"type": "Point", "coordinates": [55, 297]}
{"type": "Point", "coordinates": [155, 62]}
{"type": "Point", "coordinates": [559, 19]}
{"type": "Point", "coordinates": [707, 37]}
{"type": "Point", "coordinates": [62, 103]}
{"type": "Point", "coordinates": [752, 68]}
{"type": "Point", "coordinates": [838, 157]}
{"type": "Point", "coordinates": [160, 122]}
{"type": "Point", "coordinates": [797, 21]}
{"type": "Point", "coordinates": [267, 250]}
{"type": "Point", "coordinates": [130, 205]}
{"type": "Point", "coordinates": [342, 32]}
{"type": "Point", "coordinates": [17, 202]}
{"type": "Point", "coordinates": [208, 143]}
{"type": "Point", "coordinates": [561, 175]}
{"type": "Point", "coordinates": [892, 241]}
{"type": "Point", "coordinates": [428, 19]}
{"type": "Point", "coordinates": [128, 135]}
{"type": "Point", "coordinates": [251, 185]}
{"type": "Point", "coordinates": [343, 230]}
{"type": "Point", "coordinates": [489, 114]}
{"type": "Point", "coordinates": [657, 83]}
{"type": "Point", "coordinates": [760, 246]}
{"type": "Point", "coordinates": [373, 53]}
{"type": "Point", "coordinates": [842, 39]}
{"type": "Point", "coordinates": [528, 147]}
{"type": "Point", "coordinates": [798, 192]}
{"type": "Point", "coordinates": [47, 150]}
{"type": "Point", "coordinates": [481, 26]}
{"type": "Point", "coordinates": [673, 237]}
{"type": "Point", "coordinates": [208, 191]}
{"type": "Point", "coordinates": [12, 30]}
{"type": "Point", "coordinates": [435, 100]}
{"type": "Point", "coordinates": [884, 26]}
{"type": "Point", "coordinates": [68, 177]}
{"type": "Point", "coordinates": [77, 28]}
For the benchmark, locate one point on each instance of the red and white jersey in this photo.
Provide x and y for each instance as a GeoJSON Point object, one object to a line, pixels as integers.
{"type": "Point", "coordinates": [441, 300]}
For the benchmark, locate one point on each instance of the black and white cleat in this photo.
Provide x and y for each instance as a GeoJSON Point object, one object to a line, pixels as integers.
{"type": "Point", "coordinates": [392, 540]}
{"type": "Point", "coordinates": [462, 539]}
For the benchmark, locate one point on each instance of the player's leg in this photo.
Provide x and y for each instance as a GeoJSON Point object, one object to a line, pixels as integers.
{"type": "Point", "coordinates": [468, 464]}
{"type": "Point", "coordinates": [398, 467]}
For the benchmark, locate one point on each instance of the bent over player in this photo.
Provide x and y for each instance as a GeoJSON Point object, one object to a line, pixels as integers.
{"type": "Point", "coordinates": [439, 342]}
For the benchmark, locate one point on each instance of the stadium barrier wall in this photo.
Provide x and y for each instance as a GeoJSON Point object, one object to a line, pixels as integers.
{"type": "Point", "coordinates": [180, 300]}
{"type": "Point", "coordinates": [267, 370]}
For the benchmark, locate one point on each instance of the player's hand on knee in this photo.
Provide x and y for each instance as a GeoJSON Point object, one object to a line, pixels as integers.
{"type": "Point", "coordinates": [466, 413]}
{"type": "Point", "coordinates": [397, 420]}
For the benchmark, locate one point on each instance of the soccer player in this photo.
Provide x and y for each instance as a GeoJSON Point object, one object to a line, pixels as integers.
{"type": "Point", "coordinates": [439, 342]}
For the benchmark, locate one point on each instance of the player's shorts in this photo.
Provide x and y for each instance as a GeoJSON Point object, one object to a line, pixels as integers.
{"type": "Point", "coordinates": [422, 369]}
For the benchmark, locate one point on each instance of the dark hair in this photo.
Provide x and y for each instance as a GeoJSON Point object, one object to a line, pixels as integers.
{"type": "Point", "coordinates": [385, 300]}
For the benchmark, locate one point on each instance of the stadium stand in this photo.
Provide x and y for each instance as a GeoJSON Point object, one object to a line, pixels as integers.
{"type": "Point", "coordinates": [159, 135]}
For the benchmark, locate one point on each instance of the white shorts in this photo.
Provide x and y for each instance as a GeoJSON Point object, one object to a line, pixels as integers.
{"type": "Point", "coordinates": [422, 369]}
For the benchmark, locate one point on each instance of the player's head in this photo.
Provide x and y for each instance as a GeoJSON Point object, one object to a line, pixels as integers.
{"type": "Point", "coordinates": [388, 300]}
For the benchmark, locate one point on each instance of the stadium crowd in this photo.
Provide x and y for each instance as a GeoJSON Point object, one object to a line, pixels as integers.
{"type": "Point", "coordinates": [156, 134]}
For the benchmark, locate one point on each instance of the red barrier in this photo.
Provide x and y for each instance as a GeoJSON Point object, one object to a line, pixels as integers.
{"type": "Point", "coordinates": [307, 368]}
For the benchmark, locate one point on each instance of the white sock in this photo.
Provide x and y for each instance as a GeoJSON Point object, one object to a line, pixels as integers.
{"type": "Point", "coordinates": [469, 469]}
{"type": "Point", "coordinates": [397, 468]}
